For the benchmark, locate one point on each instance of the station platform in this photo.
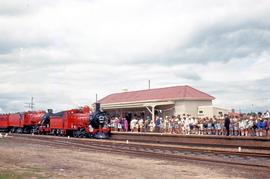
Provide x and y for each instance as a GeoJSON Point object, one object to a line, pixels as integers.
{"type": "Point", "coordinates": [258, 143]}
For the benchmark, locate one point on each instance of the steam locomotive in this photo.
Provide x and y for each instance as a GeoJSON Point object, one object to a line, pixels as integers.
{"type": "Point", "coordinates": [100, 123]}
{"type": "Point", "coordinates": [80, 122]}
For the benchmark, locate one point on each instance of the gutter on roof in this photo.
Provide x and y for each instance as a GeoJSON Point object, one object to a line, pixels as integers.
{"type": "Point", "coordinates": [158, 100]}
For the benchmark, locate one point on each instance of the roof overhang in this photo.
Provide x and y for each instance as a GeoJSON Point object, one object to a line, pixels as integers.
{"type": "Point", "coordinates": [158, 100]}
{"type": "Point", "coordinates": [135, 105]}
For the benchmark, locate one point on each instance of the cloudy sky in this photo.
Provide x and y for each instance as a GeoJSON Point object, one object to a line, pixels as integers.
{"type": "Point", "coordinates": [63, 52]}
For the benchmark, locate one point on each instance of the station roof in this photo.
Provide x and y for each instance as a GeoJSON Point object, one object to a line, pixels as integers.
{"type": "Point", "coordinates": [158, 94]}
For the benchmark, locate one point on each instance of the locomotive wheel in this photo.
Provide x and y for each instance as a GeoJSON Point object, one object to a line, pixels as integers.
{"type": "Point", "coordinates": [62, 133]}
{"type": "Point", "coordinates": [82, 133]}
{"type": "Point", "coordinates": [13, 130]}
{"type": "Point", "coordinates": [26, 130]}
{"type": "Point", "coordinates": [90, 135]}
{"type": "Point", "coordinates": [19, 130]}
{"type": "Point", "coordinates": [33, 131]}
{"type": "Point", "coordinates": [58, 132]}
{"type": "Point", "coordinates": [75, 134]}
{"type": "Point", "coordinates": [54, 132]}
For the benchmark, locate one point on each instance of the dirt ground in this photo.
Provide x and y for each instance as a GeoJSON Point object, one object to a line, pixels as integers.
{"type": "Point", "coordinates": [20, 159]}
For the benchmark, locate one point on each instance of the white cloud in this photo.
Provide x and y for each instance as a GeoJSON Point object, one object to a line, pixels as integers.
{"type": "Point", "coordinates": [64, 52]}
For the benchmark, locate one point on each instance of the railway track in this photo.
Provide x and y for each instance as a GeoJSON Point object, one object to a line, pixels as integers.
{"type": "Point", "coordinates": [168, 152]}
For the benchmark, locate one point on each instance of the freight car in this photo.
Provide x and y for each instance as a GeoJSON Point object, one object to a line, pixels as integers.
{"type": "Point", "coordinates": [31, 120]}
{"type": "Point", "coordinates": [23, 122]}
{"type": "Point", "coordinates": [4, 122]}
{"type": "Point", "coordinates": [15, 122]}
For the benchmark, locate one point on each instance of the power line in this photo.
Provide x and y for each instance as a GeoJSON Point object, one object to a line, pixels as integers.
{"type": "Point", "coordinates": [30, 105]}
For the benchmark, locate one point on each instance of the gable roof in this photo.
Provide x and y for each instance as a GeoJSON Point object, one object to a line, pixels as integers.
{"type": "Point", "coordinates": [157, 94]}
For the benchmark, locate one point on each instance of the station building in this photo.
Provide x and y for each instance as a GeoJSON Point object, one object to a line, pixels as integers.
{"type": "Point", "coordinates": [210, 111]}
{"type": "Point", "coordinates": [168, 101]}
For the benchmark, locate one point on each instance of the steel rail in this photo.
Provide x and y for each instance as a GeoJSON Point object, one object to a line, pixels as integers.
{"type": "Point", "coordinates": [138, 150]}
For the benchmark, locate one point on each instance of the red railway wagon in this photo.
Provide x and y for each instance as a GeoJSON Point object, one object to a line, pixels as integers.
{"type": "Point", "coordinates": [4, 122]}
{"type": "Point", "coordinates": [31, 119]}
{"type": "Point", "coordinates": [16, 122]}
{"type": "Point", "coordinates": [20, 122]}
{"type": "Point", "coordinates": [74, 122]}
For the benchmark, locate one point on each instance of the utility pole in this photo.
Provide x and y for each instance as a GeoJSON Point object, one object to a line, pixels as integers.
{"type": "Point", "coordinates": [149, 84]}
{"type": "Point", "coordinates": [30, 105]}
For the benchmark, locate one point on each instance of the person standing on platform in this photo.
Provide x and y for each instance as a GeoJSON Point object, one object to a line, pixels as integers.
{"type": "Point", "coordinates": [260, 127]}
{"type": "Point", "coordinates": [120, 127]}
{"type": "Point", "coordinates": [141, 125]}
{"type": "Point", "coordinates": [116, 123]}
{"type": "Point", "coordinates": [166, 124]}
{"type": "Point", "coordinates": [158, 122]}
{"type": "Point", "coordinates": [187, 126]}
{"type": "Point", "coordinates": [152, 126]}
{"type": "Point", "coordinates": [267, 127]}
{"type": "Point", "coordinates": [133, 124]}
{"type": "Point", "coordinates": [170, 125]}
{"type": "Point", "coordinates": [227, 124]}
{"type": "Point", "coordinates": [125, 125]}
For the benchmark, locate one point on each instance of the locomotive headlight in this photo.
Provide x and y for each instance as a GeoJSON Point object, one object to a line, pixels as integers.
{"type": "Point", "coordinates": [101, 119]}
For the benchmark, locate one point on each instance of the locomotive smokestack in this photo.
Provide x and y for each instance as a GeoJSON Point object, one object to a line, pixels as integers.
{"type": "Point", "coordinates": [97, 106]}
{"type": "Point", "coordinates": [50, 111]}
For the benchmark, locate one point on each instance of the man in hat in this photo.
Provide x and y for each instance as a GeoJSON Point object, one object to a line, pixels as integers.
{"type": "Point", "coordinates": [227, 124]}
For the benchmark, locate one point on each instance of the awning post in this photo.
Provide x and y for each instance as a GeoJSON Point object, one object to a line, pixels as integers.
{"type": "Point", "coordinates": [153, 112]}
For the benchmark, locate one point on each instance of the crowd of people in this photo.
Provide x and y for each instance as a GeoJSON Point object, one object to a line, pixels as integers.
{"type": "Point", "coordinates": [237, 125]}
